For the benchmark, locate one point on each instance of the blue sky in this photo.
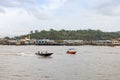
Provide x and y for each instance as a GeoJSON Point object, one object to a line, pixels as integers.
{"type": "Point", "coordinates": [19, 17]}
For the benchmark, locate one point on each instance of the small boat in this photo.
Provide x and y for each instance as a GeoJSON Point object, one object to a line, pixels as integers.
{"type": "Point", "coordinates": [45, 54]}
{"type": "Point", "coordinates": [71, 51]}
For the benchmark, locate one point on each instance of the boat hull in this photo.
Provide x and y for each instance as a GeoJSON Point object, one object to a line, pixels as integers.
{"type": "Point", "coordinates": [68, 52]}
{"type": "Point", "coordinates": [44, 54]}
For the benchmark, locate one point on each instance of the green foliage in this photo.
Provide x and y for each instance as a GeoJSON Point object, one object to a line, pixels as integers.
{"type": "Point", "coordinates": [72, 34]}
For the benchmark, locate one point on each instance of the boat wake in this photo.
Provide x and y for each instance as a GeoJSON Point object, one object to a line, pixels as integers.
{"type": "Point", "coordinates": [17, 54]}
{"type": "Point", "coordinates": [25, 54]}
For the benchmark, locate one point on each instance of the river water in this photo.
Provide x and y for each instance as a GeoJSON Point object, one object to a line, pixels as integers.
{"type": "Point", "coordinates": [90, 63]}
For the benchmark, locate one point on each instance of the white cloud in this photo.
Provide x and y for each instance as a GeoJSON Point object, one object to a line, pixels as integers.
{"type": "Point", "coordinates": [2, 10]}
{"type": "Point", "coordinates": [110, 8]}
{"type": "Point", "coordinates": [39, 10]}
{"type": "Point", "coordinates": [21, 16]}
{"type": "Point", "coordinates": [14, 3]}
{"type": "Point", "coordinates": [47, 10]}
{"type": "Point", "coordinates": [54, 4]}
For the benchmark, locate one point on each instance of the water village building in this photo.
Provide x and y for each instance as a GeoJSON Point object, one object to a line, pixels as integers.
{"type": "Point", "coordinates": [115, 41]}
{"type": "Point", "coordinates": [3, 41]}
{"type": "Point", "coordinates": [73, 42]}
{"type": "Point", "coordinates": [44, 42]}
{"type": "Point", "coordinates": [102, 42]}
{"type": "Point", "coordinates": [58, 42]}
{"type": "Point", "coordinates": [28, 41]}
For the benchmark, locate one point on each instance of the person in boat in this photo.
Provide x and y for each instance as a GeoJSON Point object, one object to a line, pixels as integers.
{"type": "Point", "coordinates": [39, 52]}
{"type": "Point", "coordinates": [45, 51]}
{"type": "Point", "coordinates": [67, 51]}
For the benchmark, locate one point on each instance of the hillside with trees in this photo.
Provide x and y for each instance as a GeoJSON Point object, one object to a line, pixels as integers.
{"type": "Point", "coordinates": [72, 34]}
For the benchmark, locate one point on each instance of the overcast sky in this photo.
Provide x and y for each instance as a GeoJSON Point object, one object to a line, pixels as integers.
{"type": "Point", "coordinates": [21, 16]}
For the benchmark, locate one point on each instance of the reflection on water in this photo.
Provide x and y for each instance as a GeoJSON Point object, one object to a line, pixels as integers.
{"type": "Point", "coordinates": [44, 57]}
{"type": "Point", "coordinates": [90, 63]}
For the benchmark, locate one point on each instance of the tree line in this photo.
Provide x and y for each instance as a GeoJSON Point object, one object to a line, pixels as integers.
{"type": "Point", "coordinates": [71, 34]}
